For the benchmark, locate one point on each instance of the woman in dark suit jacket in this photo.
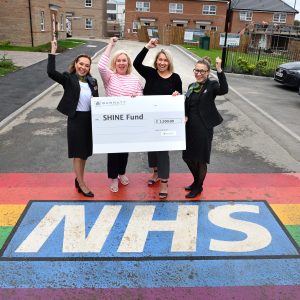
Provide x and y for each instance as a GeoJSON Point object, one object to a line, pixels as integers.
{"type": "Point", "coordinates": [201, 117]}
{"type": "Point", "coordinates": [79, 86]}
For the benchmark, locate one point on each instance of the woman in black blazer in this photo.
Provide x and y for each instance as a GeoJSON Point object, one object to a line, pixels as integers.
{"type": "Point", "coordinates": [79, 86]}
{"type": "Point", "coordinates": [201, 116]}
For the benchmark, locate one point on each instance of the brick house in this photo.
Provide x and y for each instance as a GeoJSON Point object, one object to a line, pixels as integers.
{"type": "Point", "coordinates": [270, 22]}
{"type": "Point", "coordinates": [34, 22]}
{"type": "Point", "coordinates": [205, 15]}
{"type": "Point", "coordinates": [245, 12]}
{"type": "Point", "coordinates": [87, 17]}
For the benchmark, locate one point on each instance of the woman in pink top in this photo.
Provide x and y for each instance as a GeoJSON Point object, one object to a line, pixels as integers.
{"type": "Point", "coordinates": [118, 81]}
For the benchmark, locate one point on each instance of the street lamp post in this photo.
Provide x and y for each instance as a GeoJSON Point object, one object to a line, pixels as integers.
{"type": "Point", "coordinates": [227, 20]}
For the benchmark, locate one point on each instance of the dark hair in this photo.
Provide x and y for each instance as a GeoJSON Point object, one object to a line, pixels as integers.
{"type": "Point", "coordinates": [205, 61]}
{"type": "Point", "coordinates": [76, 59]}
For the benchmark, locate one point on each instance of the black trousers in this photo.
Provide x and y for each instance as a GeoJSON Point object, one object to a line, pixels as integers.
{"type": "Point", "coordinates": [161, 160]}
{"type": "Point", "coordinates": [116, 164]}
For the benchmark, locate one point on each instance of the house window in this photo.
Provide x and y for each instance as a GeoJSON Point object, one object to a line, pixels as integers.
{"type": "Point", "coordinates": [88, 3]}
{"type": "Point", "coordinates": [42, 21]}
{"type": "Point", "coordinates": [61, 22]}
{"type": "Point", "coordinates": [176, 8]}
{"type": "Point", "coordinates": [213, 28]}
{"type": "Point", "coordinates": [245, 15]}
{"type": "Point", "coordinates": [111, 6]}
{"type": "Point", "coordinates": [111, 17]}
{"type": "Point", "coordinates": [209, 10]}
{"type": "Point", "coordinates": [279, 17]}
{"type": "Point", "coordinates": [88, 23]}
{"type": "Point", "coordinates": [142, 6]}
{"type": "Point", "coordinates": [135, 26]}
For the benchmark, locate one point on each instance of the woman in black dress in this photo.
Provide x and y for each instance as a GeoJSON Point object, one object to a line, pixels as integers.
{"type": "Point", "coordinates": [201, 117]}
{"type": "Point", "coordinates": [79, 86]}
{"type": "Point", "coordinates": [160, 80]}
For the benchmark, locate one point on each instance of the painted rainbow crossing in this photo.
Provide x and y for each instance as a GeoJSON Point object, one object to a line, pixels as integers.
{"type": "Point", "coordinates": [162, 277]}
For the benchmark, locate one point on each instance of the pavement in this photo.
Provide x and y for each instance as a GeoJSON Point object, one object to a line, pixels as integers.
{"type": "Point", "coordinates": [28, 84]}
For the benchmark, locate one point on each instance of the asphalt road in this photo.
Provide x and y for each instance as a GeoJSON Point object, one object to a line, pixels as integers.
{"type": "Point", "coordinates": [246, 142]}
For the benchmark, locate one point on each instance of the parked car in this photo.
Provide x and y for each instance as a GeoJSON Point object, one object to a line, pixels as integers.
{"type": "Point", "coordinates": [289, 74]}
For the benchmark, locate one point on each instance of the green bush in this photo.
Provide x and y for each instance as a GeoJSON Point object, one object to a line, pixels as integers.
{"type": "Point", "coordinates": [259, 69]}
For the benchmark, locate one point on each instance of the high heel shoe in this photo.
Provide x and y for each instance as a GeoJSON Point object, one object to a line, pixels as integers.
{"type": "Point", "coordinates": [76, 183]}
{"type": "Point", "coordinates": [154, 179]}
{"type": "Point", "coordinates": [86, 194]}
{"type": "Point", "coordinates": [163, 195]}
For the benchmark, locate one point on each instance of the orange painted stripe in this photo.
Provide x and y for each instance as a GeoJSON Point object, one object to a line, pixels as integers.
{"type": "Point", "coordinates": [19, 188]}
{"type": "Point", "coordinates": [289, 214]}
{"type": "Point", "coordinates": [9, 214]}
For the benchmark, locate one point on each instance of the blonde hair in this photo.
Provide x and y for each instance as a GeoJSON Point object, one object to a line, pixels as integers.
{"type": "Point", "coordinates": [169, 58]}
{"type": "Point", "coordinates": [114, 60]}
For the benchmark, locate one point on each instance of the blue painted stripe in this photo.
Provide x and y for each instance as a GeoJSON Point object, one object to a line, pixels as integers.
{"type": "Point", "coordinates": [158, 243]}
{"type": "Point", "coordinates": [149, 274]}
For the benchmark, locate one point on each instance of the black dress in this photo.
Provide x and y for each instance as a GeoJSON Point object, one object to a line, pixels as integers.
{"type": "Point", "coordinates": [198, 137]}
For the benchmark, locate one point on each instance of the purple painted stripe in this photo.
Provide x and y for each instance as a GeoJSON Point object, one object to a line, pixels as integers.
{"type": "Point", "coordinates": [216, 293]}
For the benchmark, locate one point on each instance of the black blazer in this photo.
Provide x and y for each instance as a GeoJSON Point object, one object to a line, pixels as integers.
{"type": "Point", "coordinates": [70, 83]}
{"type": "Point", "coordinates": [207, 108]}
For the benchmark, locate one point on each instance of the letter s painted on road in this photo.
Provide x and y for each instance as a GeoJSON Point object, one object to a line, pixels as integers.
{"type": "Point", "coordinates": [258, 237]}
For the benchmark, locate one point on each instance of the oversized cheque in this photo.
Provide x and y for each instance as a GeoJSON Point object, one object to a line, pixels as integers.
{"type": "Point", "coordinates": [138, 124]}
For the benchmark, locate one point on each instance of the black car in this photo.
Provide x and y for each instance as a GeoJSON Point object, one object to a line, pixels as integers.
{"type": "Point", "coordinates": [289, 74]}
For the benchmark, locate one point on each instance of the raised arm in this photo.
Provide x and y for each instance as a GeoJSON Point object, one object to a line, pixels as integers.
{"type": "Point", "coordinates": [51, 68]}
{"type": "Point", "coordinates": [223, 85]}
{"type": "Point", "coordinates": [103, 69]}
{"type": "Point", "coordinates": [138, 62]}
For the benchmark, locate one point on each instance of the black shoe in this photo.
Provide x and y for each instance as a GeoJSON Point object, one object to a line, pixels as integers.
{"type": "Point", "coordinates": [189, 187]}
{"type": "Point", "coordinates": [88, 194]}
{"type": "Point", "coordinates": [76, 183]}
{"type": "Point", "coordinates": [193, 193]}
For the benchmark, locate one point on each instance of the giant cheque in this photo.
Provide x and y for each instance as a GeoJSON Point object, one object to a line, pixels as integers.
{"type": "Point", "coordinates": [138, 124]}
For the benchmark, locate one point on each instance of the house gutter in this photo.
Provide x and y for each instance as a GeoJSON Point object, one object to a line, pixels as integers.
{"type": "Point", "coordinates": [31, 31]}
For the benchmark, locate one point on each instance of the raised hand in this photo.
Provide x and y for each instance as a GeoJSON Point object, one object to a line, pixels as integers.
{"type": "Point", "coordinates": [218, 64]}
{"type": "Point", "coordinates": [152, 43]}
{"type": "Point", "coordinates": [113, 40]}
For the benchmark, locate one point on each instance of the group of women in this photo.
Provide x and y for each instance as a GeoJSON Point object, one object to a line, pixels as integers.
{"type": "Point", "coordinates": [118, 80]}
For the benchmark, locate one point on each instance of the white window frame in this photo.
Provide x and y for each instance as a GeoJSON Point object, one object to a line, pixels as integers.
{"type": "Point", "coordinates": [214, 28]}
{"type": "Point", "coordinates": [175, 8]}
{"type": "Point", "coordinates": [61, 25]}
{"type": "Point", "coordinates": [246, 15]}
{"type": "Point", "coordinates": [135, 26]}
{"type": "Point", "coordinates": [42, 20]}
{"type": "Point", "coordinates": [88, 3]}
{"type": "Point", "coordinates": [279, 17]}
{"type": "Point", "coordinates": [88, 23]}
{"type": "Point", "coordinates": [142, 6]}
{"type": "Point", "coordinates": [209, 10]}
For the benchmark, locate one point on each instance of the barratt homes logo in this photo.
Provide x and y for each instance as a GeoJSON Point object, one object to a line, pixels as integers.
{"type": "Point", "coordinates": [148, 230]}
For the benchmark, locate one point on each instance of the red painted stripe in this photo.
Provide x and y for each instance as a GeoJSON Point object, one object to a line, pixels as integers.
{"type": "Point", "coordinates": [19, 188]}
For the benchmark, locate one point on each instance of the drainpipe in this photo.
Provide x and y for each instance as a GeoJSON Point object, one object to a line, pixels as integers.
{"type": "Point", "coordinates": [31, 31]}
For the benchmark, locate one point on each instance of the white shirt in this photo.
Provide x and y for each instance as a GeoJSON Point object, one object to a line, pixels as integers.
{"type": "Point", "coordinates": [84, 103]}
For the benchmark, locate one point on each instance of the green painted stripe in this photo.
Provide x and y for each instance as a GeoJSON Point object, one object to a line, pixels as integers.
{"type": "Point", "coordinates": [4, 233]}
{"type": "Point", "coordinates": [294, 231]}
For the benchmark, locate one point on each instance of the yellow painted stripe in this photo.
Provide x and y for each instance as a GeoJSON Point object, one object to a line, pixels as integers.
{"type": "Point", "coordinates": [9, 214]}
{"type": "Point", "coordinates": [289, 214]}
